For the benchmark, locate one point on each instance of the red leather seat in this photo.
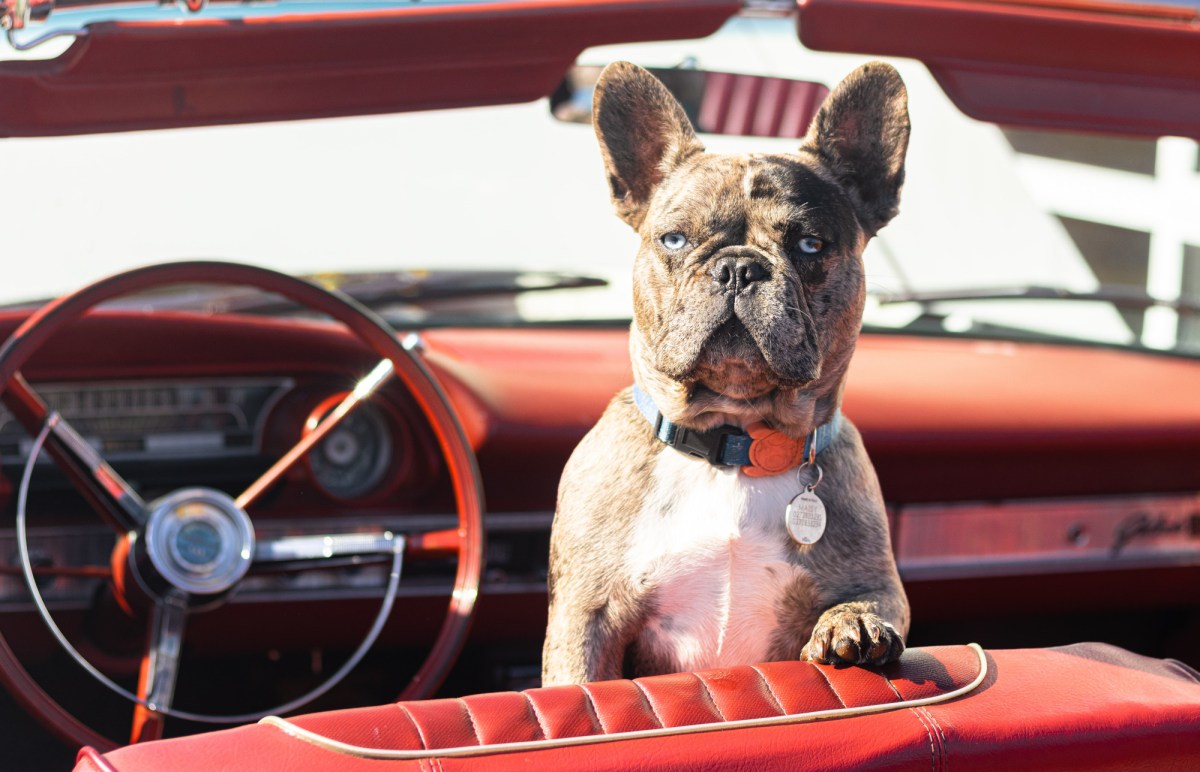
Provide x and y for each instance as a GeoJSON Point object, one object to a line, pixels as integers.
{"type": "Point", "coordinates": [1089, 706]}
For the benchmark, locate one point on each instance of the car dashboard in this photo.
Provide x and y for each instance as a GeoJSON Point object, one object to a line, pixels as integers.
{"type": "Point", "coordinates": [1033, 492]}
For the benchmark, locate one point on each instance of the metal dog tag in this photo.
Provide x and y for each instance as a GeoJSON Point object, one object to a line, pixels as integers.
{"type": "Point", "coordinates": [805, 517]}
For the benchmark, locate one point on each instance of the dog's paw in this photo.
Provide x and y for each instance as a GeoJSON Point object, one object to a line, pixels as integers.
{"type": "Point", "coordinates": [848, 637]}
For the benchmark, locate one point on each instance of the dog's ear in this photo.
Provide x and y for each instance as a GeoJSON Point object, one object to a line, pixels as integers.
{"type": "Point", "coordinates": [643, 133]}
{"type": "Point", "coordinates": [861, 134]}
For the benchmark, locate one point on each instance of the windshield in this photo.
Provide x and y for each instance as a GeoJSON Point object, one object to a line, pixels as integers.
{"type": "Point", "coordinates": [513, 189]}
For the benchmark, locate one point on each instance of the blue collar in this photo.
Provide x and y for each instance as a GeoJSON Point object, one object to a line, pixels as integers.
{"type": "Point", "coordinates": [725, 445]}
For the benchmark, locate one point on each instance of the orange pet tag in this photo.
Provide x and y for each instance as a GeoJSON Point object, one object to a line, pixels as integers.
{"type": "Point", "coordinates": [771, 451]}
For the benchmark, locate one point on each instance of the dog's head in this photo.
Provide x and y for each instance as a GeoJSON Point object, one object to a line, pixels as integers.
{"type": "Point", "coordinates": [748, 286]}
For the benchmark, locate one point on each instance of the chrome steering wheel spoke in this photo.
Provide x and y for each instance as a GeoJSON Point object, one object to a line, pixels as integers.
{"type": "Point", "coordinates": [366, 386]}
{"type": "Point", "coordinates": [109, 494]}
{"type": "Point", "coordinates": [160, 667]}
{"type": "Point", "coordinates": [322, 547]}
{"type": "Point", "coordinates": [122, 505]}
{"type": "Point", "coordinates": [318, 551]}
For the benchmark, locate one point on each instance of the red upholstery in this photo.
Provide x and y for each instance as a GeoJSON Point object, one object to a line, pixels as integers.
{"type": "Point", "coordinates": [1090, 706]}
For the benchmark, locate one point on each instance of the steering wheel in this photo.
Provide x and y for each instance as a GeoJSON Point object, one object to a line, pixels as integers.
{"type": "Point", "coordinates": [187, 551]}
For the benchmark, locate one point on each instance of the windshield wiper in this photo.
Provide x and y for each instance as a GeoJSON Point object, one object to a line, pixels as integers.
{"type": "Point", "coordinates": [1120, 296]}
{"type": "Point", "coordinates": [420, 288]}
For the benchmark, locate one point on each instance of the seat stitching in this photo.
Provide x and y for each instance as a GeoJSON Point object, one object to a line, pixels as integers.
{"type": "Point", "coordinates": [413, 721]}
{"type": "Point", "coordinates": [471, 718]}
{"type": "Point", "coordinates": [928, 734]}
{"type": "Point", "coordinates": [536, 716]}
{"type": "Point", "coordinates": [770, 690]}
{"type": "Point", "coordinates": [711, 699]}
{"type": "Point", "coordinates": [941, 736]}
{"type": "Point", "coordinates": [653, 710]}
{"type": "Point", "coordinates": [591, 702]}
{"type": "Point", "coordinates": [945, 756]}
{"type": "Point", "coordinates": [830, 683]}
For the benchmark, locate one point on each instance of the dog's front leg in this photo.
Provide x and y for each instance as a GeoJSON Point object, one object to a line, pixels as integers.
{"type": "Point", "coordinates": [585, 642]}
{"type": "Point", "coordinates": [596, 609]}
{"type": "Point", "coordinates": [865, 613]}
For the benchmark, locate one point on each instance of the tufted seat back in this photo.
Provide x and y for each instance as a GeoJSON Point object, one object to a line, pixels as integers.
{"type": "Point", "coordinates": [1090, 706]}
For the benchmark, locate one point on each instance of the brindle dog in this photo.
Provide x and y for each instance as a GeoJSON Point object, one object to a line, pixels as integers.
{"type": "Point", "coordinates": [748, 297]}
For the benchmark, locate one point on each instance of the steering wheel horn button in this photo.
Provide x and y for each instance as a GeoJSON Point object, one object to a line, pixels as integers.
{"type": "Point", "coordinates": [199, 541]}
{"type": "Point", "coordinates": [197, 544]}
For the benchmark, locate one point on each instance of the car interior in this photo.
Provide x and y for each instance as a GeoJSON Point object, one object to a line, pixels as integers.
{"type": "Point", "coordinates": [375, 457]}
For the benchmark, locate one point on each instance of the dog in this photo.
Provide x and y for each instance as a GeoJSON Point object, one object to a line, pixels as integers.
{"type": "Point", "coordinates": [685, 535]}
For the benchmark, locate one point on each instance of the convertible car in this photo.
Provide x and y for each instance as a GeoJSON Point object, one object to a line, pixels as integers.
{"type": "Point", "coordinates": [305, 305]}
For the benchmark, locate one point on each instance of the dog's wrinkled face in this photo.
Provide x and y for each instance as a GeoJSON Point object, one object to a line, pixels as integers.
{"type": "Point", "coordinates": [748, 279]}
{"type": "Point", "coordinates": [748, 286]}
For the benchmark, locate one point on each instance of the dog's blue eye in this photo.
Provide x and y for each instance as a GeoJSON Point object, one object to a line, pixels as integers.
{"type": "Point", "coordinates": [674, 240]}
{"type": "Point", "coordinates": [810, 245]}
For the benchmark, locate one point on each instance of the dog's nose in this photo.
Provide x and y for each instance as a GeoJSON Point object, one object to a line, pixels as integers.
{"type": "Point", "coordinates": [735, 273]}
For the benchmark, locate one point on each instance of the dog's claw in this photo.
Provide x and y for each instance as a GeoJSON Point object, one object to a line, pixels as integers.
{"type": "Point", "coordinates": [849, 645]}
{"type": "Point", "coordinates": [877, 652]}
{"type": "Point", "coordinates": [848, 651]}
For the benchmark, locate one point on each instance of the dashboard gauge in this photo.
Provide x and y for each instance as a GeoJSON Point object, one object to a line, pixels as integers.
{"type": "Point", "coordinates": [354, 459]}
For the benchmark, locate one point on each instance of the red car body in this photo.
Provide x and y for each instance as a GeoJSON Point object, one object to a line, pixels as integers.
{"type": "Point", "coordinates": [1040, 492]}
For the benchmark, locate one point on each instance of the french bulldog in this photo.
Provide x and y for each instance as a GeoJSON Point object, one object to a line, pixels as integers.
{"type": "Point", "coordinates": [679, 541]}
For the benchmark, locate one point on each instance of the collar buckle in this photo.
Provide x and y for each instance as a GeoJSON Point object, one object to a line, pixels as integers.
{"type": "Point", "coordinates": [707, 445]}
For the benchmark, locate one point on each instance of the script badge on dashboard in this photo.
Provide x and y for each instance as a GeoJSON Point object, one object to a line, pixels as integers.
{"type": "Point", "coordinates": [806, 517]}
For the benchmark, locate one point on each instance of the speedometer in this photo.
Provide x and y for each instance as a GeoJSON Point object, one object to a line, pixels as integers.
{"type": "Point", "coordinates": [354, 458]}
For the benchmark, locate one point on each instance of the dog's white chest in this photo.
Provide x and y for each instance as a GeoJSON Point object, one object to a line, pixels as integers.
{"type": "Point", "coordinates": [710, 551]}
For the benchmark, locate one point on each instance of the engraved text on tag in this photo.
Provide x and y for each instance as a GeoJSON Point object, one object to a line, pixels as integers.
{"type": "Point", "coordinates": [806, 517]}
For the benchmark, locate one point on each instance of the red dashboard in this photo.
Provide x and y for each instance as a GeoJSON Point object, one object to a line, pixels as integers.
{"type": "Point", "coordinates": [1050, 450]}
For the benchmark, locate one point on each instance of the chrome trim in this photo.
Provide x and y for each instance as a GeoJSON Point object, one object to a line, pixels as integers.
{"type": "Point", "coordinates": [323, 546]}
{"type": "Point", "coordinates": [413, 343]}
{"type": "Point", "coordinates": [28, 45]}
{"type": "Point", "coordinates": [773, 8]}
